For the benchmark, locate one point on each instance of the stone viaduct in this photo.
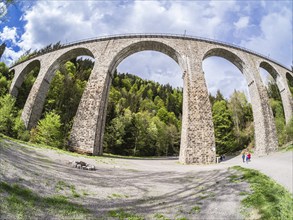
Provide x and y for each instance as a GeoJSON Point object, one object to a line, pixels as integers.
{"type": "Point", "coordinates": [197, 135]}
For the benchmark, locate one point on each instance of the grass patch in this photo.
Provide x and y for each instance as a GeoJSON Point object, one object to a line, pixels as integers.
{"type": "Point", "coordinates": [22, 203]}
{"type": "Point", "coordinates": [121, 214]}
{"type": "Point", "coordinates": [234, 178]}
{"type": "Point", "coordinates": [194, 210]}
{"type": "Point", "coordinates": [159, 216]}
{"type": "Point", "coordinates": [288, 148]}
{"type": "Point", "coordinates": [117, 196]}
{"type": "Point", "coordinates": [74, 193]}
{"type": "Point", "coordinates": [271, 200]}
{"type": "Point", "coordinates": [61, 185]}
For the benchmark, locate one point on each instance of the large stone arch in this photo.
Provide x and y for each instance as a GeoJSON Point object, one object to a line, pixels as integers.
{"type": "Point", "coordinates": [34, 105]}
{"type": "Point", "coordinates": [143, 46]}
{"type": "Point", "coordinates": [264, 127]}
{"type": "Point", "coordinates": [88, 128]}
{"type": "Point", "coordinates": [19, 79]}
{"type": "Point", "coordinates": [87, 132]}
{"type": "Point", "coordinates": [283, 89]}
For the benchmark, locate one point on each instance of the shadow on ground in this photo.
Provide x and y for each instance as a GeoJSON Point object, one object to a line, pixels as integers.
{"type": "Point", "coordinates": [192, 194]}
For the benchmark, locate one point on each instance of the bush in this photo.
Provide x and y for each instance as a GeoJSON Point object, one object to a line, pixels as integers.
{"type": "Point", "coordinates": [289, 131]}
{"type": "Point", "coordinates": [19, 129]}
{"type": "Point", "coordinates": [281, 132]}
{"type": "Point", "coordinates": [48, 131]}
{"type": "Point", "coordinates": [7, 114]}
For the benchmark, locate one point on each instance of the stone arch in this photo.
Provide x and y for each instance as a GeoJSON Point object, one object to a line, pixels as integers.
{"type": "Point", "coordinates": [229, 58]}
{"type": "Point", "coordinates": [143, 46]}
{"type": "Point", "coordinates": [270, 69]}
{"type": "Point", "coordinates": [123, 53]}
{"type": "Point", "coordinates": [19, 79]}
{"type": "Point", "coordinates": [226, 54]}
{"type": "Point", "coordinates": [68, 55]}
{"type": "Point", "coordinates": [283, 89]}
{"type": "Point", "coordinates": [264, 127]}
{"type": "Point", "coordinates": [33, 107]}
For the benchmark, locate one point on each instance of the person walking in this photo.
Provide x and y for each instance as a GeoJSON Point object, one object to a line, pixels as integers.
{"type": "Point", "coordinates": [243, 157]}
{"type": "Point", "coordinates": [248, 156]}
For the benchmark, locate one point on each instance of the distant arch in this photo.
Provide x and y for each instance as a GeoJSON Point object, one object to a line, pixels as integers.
{"type": "Point", "coordinates": [66, 56]}
{"type": "Point", "coordinates": [34, 106]}
{"type": "Point", "coordinates": [270, 69]}
{"type": "Point", "coordinates": [22, 75]}
{"type": "Point", "coordinates": [228, 55]}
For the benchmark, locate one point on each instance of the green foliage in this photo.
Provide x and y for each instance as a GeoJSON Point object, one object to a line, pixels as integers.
{"type": "Point", "coordinates": [5, 79]}
{"type": "Point", "coordinates": [20, 132]}
{"type": "Point", "coordinates": [143, 118]}
{"type": "Point", "coordinates": [242, 118]}
{"type": "Point", "coordinates": [65, 92]}
{"type": "Point", "coordinates": [223, 126]}
{"type": "Point", "coordinates": [289, 131]}
{"type": "Point", "coordinates": [48, 130]}
{"type": "Point", "coordinates": [272, 200]}
{"type": "Point", "coordinates": [283, 131]}
{"type": "Point", "coordinates": [7, 114]}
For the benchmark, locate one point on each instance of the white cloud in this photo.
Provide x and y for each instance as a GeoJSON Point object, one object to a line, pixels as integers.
{"type": "Point", "coordinates": [51, 21]}
{"type": "Point", "coordinates": [242, 23]}
{"type": "Point", "coordinates": [9, 34]}
{"type": "Point", "coordinates": [10, 55]}
{"type": "Point", "coordinates": [275, 38]}
{"type": "Point", "coordinates": [262, 27]}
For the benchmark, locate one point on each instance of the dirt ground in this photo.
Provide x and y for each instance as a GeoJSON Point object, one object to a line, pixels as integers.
{"type": "Point", "coordinates": [147, 187]}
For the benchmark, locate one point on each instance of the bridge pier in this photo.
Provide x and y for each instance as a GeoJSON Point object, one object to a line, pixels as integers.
{"type": "Point", "coordinates": [265, 134]}
{"type": "Point", "coordinates": [197, 135]}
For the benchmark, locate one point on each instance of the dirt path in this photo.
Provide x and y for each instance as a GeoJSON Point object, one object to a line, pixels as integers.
{"type": "Point", "coordinates": [148, 188]}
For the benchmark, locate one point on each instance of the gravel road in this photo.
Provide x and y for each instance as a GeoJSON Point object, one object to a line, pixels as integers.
{"type": "Point", "coordinates": [146, 187]}
{"type": "Point", "coordinates": [278, 166]}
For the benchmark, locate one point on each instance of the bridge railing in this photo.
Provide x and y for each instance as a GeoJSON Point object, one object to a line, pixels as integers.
{"type": "Point", "coordinates": [156, 35]}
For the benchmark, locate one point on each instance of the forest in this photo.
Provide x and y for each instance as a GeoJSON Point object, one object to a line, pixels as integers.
{"type": "Point", "coordinates": [143, 117]}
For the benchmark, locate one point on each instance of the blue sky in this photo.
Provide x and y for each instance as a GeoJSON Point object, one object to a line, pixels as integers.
{"type": "Point", "coordinates": [262, 26]}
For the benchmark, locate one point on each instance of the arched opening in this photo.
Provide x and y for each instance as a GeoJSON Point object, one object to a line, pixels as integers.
{"type": "Point", "coordinates": [24, 83]}
{"type": "Point", "coordinates": [67, 78]}
{"type": "Point", "coordinates": [289, 78]}
{"type": "Point", "coordinates": [230, 101]}
{"type": "Point", "coordinates": [145, 102]}
{"type": "Point", "coordinates": [270, 78]}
